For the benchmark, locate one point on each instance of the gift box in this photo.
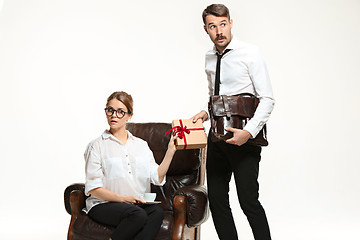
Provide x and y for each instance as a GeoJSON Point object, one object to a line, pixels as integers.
{"type": "Point", "coordinates": [190, 135]}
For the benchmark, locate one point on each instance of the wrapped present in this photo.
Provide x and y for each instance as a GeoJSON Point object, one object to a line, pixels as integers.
{"type": "Point", "coordinates": [190, 135]}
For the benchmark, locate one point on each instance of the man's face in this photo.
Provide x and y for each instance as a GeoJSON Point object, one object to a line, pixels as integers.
{"type": "Point", "coordinates": [219, 30]}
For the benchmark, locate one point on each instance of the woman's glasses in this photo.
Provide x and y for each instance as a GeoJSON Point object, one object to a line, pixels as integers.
{"type": "Point", "coordinates": [119, 113]}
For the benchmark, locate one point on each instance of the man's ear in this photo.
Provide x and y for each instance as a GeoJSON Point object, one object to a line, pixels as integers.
{"type": "Point", "coordinates": [205, 28]}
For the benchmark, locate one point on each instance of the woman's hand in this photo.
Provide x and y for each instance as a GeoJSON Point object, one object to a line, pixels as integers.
{"type": "Point", "coordinates": [172, 144]}
{"type": "Point", "coordinates": [131, 200]}
{"type": "Point", "coordinates": [107, 195]}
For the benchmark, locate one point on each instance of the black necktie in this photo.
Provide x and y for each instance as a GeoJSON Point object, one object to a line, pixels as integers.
{"type": "Point", "coordinates": [217, 75]}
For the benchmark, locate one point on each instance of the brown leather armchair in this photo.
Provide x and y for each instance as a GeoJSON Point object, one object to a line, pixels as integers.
{"type": "Point", "coordinates": [183, 197]}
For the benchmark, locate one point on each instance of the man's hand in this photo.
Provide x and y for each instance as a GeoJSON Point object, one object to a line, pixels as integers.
{"type": "Point", "coordinates": [240, 136]}
{"type": "Point", "coordinates": [201, 115]}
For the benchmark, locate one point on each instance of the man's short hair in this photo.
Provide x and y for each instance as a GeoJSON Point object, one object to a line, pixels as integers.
{"type": "Point", "coordinates": [218, 10]}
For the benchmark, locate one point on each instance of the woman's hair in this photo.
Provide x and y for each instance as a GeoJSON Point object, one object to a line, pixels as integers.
{"type": "Point", "coordinates": [123, 97]}
{"type": "Point", "coordinates": [218, 10]}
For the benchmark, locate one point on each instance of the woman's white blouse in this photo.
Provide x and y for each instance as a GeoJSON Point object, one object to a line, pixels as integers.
{"type": "Point", "coordinates": [126, 169]}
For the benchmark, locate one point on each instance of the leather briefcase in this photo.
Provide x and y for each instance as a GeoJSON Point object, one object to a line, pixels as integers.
{"type": "Point", "coordinates": [233, 111]}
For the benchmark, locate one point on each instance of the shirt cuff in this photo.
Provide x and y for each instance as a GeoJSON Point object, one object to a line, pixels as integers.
{"type": "Point", "coordinates": [206, 109]}
{"type": "Point", "coordinates": [92, 184]}
{"type": "Point", "coordinates": [252, 129]}
{"type": "Point", "coordinates": [155, 178]}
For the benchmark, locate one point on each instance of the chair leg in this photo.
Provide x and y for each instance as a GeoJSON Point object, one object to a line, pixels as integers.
{"type": "Point", "coordinates": [70, 232]}
{"type": "Point", "coordinates": [179, 216]}
{"type": "Point", "coordinates": [197, 233]}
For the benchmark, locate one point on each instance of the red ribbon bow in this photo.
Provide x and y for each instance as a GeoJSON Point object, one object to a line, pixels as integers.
{"type": "Point", "coordinates": [181, 130]}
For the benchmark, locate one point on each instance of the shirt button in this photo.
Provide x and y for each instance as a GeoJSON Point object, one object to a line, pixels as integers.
{"type": "Point", "coordinates": [129, 172]}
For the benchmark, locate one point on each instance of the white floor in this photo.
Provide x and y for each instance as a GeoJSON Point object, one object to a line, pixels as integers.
{"type": "Point", "coordinates": [287, 229]}
{"type": "Point", "coordinates": [297, 221]}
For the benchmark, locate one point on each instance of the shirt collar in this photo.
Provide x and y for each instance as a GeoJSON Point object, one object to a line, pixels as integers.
{"type": "Point", "coordinates": [106, 135]}
{"type": "Point", "coordinates": [233, 44]}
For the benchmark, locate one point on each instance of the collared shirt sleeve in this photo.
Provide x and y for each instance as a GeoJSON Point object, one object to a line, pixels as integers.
{"type": "Point", "coordinates": [263, 90]}
{"type": "Point", "coordinates": [93, 169]}
{"type": "Point", "coordinates": [209, 57]}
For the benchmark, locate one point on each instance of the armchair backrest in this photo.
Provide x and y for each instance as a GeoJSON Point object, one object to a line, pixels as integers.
{"type": "Point", "coordinates": [185, 167]}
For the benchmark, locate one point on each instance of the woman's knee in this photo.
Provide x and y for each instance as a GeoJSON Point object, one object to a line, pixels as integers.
{"type": "Point", "coordinates": [155, 212]}
{"type": "Point", "coordinates": [158, 212]}
{"type": "Point", "coordinates": [138, 216]}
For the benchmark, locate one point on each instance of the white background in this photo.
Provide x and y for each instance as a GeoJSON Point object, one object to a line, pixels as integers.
{"type": "Point", "coordinates": [60, 59]}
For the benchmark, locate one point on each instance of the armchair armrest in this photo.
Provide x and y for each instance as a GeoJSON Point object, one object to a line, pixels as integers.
{"type": "Point", "coordinates": [74, 199]}
{"type": "Point", "coordinates": [197, 208]}
{"type": "Point", "coordinates": [77, 200]}
{"type": "Point", "coordinates": [77, 204]}
{"type": "Point", "coordinates": [179, 216]}
{"type": "Point", "coordinates": [67, 192]}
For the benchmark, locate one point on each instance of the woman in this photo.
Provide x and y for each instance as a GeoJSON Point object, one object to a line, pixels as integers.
{"type": "Point", "coordinates": [119, 170]}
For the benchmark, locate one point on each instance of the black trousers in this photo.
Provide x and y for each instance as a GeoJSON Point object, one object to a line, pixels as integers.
{"type": "Point", "coordinates": [132, 222]}
{"type": "Point", "coordinates": [223, 160]}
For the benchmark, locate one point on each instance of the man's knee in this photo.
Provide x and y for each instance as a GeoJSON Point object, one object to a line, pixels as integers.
{"type": "Point", "coordinates": [250, 205]}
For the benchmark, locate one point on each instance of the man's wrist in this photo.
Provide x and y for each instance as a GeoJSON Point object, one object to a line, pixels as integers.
{"type": "Point", "coordinates": [248, 133]}
{"type": "Point", "coordinates": [205, 115]}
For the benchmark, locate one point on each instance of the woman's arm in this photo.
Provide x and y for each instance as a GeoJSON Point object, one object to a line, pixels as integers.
{"type": "Point", "coordinates": [164, 166]}
{"type": "Point", "coordinates": [107, 195]}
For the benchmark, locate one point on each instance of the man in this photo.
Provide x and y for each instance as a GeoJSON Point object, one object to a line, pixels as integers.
{"type": "Point", "coordinates": [242, 70]}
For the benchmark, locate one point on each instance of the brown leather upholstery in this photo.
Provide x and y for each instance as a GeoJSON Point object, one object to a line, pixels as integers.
{"type": "Point", "coordinates": [183, 197]}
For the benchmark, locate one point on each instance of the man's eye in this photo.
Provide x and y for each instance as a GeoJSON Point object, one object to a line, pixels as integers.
{"type": "Point", "coordinates": [212, 27]}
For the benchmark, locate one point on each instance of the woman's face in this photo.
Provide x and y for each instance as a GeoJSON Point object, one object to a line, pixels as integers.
{"type": "Point", "coordinates": [113, 120]}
